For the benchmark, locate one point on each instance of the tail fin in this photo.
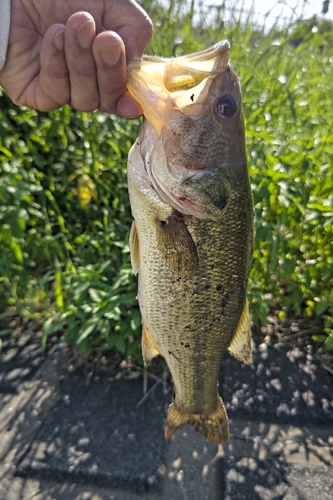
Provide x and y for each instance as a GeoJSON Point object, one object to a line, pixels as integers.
{"type": "Point", "coordinates": [213, 426]}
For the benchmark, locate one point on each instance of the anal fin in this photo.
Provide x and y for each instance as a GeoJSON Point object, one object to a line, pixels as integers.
{"type": "Point", "coordinates": [214, 426]}
{"type": "Point", "coordinates": [149, 351]}
{"type": "Point", "coordinates": [240, 346]}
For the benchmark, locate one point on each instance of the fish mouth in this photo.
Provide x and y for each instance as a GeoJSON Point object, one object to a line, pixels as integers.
{"type": "Point", "coordinates": [163, 85]}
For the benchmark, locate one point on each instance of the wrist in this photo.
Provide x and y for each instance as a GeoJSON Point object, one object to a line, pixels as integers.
{"type": "Point", "coordinates": [4, 30]}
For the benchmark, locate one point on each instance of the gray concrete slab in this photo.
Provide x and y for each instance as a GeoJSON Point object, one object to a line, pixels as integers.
{"type": "Point", "coordinates": [308, 446]}
{"type": "Point", "coordinates": [40, 489]}
{"type": "Point", "coordinates": [97, 431]}
{"type": "Point", "coordinates": [21, 357]}
{"type": "Point", "coordinates": [192, 468]}
{"type": "Point", "coordinates": [251, 479]}
{"type": "Point", "coordinates": [66, 436]}
{"type": "Point", "coordinates": [282, 384]}
{"type": "Point", "coordinates": [22, 413]}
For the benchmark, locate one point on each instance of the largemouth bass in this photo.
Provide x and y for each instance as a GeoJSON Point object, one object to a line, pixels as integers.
{"type": "Point", "coordinates": [192, 233]}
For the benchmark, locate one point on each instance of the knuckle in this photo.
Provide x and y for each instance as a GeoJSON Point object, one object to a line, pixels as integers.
{"type": "Point", "coordinates": [149, 28]}
{"type": "Point", "coordinates": [84, 105]}
{"type": "Point", "coordinates": [59, 73]}
{"type": "Point", "coordinates": [109, 108]}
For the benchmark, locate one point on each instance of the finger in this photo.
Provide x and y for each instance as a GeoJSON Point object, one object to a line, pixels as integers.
{"type": "Point", "coordinates": [109, 54]}
{"type": "Point", "coordinates": [128, 107]}
{"type": "Point", "coordinates": [79, 34]}
{"type": "Point", "coordinates": [52, 88]}
{"type": "Point", "coordinates": [132, 24]}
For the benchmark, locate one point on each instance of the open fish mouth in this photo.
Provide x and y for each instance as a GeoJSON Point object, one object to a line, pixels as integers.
{"type": "Point", "coordinates": [174, 83]}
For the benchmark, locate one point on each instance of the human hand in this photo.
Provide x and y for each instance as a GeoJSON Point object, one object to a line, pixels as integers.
{"type": "Point", "coordinates": [74, 52]}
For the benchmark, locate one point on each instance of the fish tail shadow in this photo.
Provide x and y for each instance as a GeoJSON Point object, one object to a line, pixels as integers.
{"type": "Point", "coordinates": [213, 426]}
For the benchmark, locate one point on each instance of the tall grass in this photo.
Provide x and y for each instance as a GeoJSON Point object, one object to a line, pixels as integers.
{"type": "Point", "coordinates": [65, 217]}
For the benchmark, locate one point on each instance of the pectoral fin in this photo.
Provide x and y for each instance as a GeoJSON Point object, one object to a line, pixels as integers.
{"type": "Point", "coordinates": [177, 246]}
{"type": "Point", "coordinates": [149, 351]}
{"type": "Point", "coordinates": [240, 346]}
{"type": "Point", "coordinates": [134, 248]}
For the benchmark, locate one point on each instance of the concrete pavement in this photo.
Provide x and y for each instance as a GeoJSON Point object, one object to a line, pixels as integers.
{"type": "Point", "coordinates": [66, 435]}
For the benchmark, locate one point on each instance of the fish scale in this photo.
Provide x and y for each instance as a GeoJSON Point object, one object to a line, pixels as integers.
{"type": "Point", "coordinates": [191, 239]}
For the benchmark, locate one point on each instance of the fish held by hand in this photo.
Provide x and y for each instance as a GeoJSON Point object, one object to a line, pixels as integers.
{"type": "Point", "coordinates": [192, 234]}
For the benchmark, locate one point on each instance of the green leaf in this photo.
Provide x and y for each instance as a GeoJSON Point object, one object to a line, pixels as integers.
{"type": "Point", "coordinates": [96, 295]}
{"type": "Point", "coordinates": [89, 327]}
{"type": "Point", "coordinates": [329, 343]}
{"type": "Point", "coordinates": [58, 289]}
{"type": "Point", "coordinates": [16, 247]}
{"type": "Point", "coordinates": [322, 305]}
{"type": "Point", "coordinates": [319, 338]}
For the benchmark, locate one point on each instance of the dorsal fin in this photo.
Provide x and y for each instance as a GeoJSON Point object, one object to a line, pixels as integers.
{"type": "Point", "coordinates": [240, 346]}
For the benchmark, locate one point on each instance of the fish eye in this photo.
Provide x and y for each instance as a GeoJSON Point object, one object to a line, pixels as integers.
{"type": "Point", "coordinates": [227, 106]}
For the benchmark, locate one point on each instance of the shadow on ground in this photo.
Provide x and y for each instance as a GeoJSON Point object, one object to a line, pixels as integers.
{"type": "Point", "coordinates": [75, 434]}
{"type": "Point", "coordinates": [282, 384]}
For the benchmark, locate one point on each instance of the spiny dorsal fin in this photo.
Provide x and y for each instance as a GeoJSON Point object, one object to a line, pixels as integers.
{"type": "Point", "coordinates": [148, 349]}
{"type": "Point", "coordinates": [134, 248]}
{"type": "Point", "coordinates": [240, 346]}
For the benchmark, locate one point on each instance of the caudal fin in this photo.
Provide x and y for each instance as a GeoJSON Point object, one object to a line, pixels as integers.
{"type": "Point", "coordinates": [213, 426]}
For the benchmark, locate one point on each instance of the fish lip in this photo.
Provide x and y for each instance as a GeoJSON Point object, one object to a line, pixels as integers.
{"type": "Point", "coordinates": [217, 51]}
{"type": "Point", "coordinates": [219, 47]}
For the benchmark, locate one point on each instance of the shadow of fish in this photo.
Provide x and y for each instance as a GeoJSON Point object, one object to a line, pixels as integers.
{"type": "Point", "coordinates": [192, 233]}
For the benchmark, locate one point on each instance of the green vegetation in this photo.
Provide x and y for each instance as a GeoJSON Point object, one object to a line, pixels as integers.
{"type": "Point", "coordinates": [64, 210]}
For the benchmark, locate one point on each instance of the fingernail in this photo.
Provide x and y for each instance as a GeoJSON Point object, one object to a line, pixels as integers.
{"type": "Point", "coordinates": [110, 55]}
{"type": "Point", "coordinates": [85, 34]}
{"type": "Point", "coordinates": [59, 40]}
